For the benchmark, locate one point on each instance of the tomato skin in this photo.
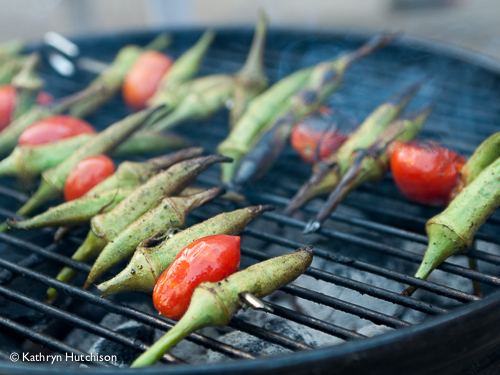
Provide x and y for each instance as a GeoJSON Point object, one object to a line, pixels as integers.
{"type": "Point", "coordinates": [54, 128]}
{"type": "Point", "coordinates": [86, 174]}
{"type": "Point", "coordinates": [425, 172]}
{"type": "Point", "coordinates": [8, 96]}
{"type": "Point", "coordinates": [313, 130]}
{"type": "Point", "coordinates": [211, 258]}
{"type": "Point", "coordinates": [44, 98]}
{"type": "Point", "coordinates": [144, 77]}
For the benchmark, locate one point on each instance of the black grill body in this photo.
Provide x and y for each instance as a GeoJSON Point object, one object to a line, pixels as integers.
{"type": "Point", "coordinates": [375, 232]}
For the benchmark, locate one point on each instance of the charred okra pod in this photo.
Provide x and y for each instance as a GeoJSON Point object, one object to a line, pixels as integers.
{"type": "Point", "coordinates": [151, 259]}
{"type": "Point", "coordinates": [170, 213]}
{"type": "Point", "coordinates": [106, 227]}
{"type": "Point", "coordinates": [53, 179]}
{"type": "Point", "coordinates": [251, 79]}
{"type": "Point", "coordinates": [105, 195]}
{"type": "Point", "coordinates": [275, 101]}
{"type": "Point", "coordinates": [76, 212]}
{"type": "Point", "coordinates": [327, 173]}
{"type": "Point", "coordinates": [230, 196]}
{"type": "Point", "coordinates": [453, 230]}
{"type": "Point", "coordinates": [214, 304]}
{"type": "Point", "coordinates": [207, 95]}
{"type": "Point", "coordinates": [486, 153]}
{"type": "Point", "coordinates": [371, 164]}
{"type": "Point", "coordinates": [261, 157]}
{"type": "Point", "coordinates": [112, 78]}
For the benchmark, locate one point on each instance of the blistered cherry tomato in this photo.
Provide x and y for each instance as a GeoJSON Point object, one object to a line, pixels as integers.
{"type": "Point", "coordinates": [425, 172]}
{"type": "Point", "coordinates": [211, 258]}
{"type": "Point", "coordinates": [315, 131]}
{"type": "Point", "coordinates": [54, 128]}
{"type": "Point", "coordinates": [86, 174]}
{"type": "Point", "coordinates": [144, 77]}
{"type": "Point", "coordinates": [8, 95]}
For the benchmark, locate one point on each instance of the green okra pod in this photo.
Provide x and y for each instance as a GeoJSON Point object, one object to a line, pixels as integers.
{"type": "Point", "coordinates": [11, 48]}
{"type": "Point", "coordinates": [485, 154]}
{"type": "Point", "coordinates": [171, 89]}
{"type": "Point", "coordinates": [214, 304]}
{"type": "Point", "coordinates": [328, 172]}
{"type": "Point", "coordinates": [76, 212]}
{"type": "Point", "coordinates": [53, 179]}
{"type": "Point", "coordinates": [206, 96]}
{"type": "Point", "coordinates": [275, 101]}
{"type": "Point", "coordinates": [151, 259]}
{"type": "Point", "coordinates": [453, 230]}
{"type": "Point", "coordinates": [111, 79]}
{"type": "Point", "coordinates": [105, 227]}
{"type": "Point", "coordinates": [371, 164]}
{"type": "Point", "coordinates": [230, 196]}
{"type": "Point", "coordinates": [149, 141]}
{"type": "Point", "coordinates": [29, 161]}
{"type": "Point", "coordinates": [9, 67]}
{"type": "Point", "coordinates": [251, 79]}
{"type": "Point", "coordinates": [169, 213]}
{"type": "Point", "coordinates": [131, 173]}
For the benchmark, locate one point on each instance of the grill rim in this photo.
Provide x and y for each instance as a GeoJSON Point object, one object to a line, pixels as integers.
{"type": "Point", "coordinates": [354, 356]}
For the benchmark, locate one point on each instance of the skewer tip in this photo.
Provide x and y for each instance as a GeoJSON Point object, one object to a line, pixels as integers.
{"type": "Point", "coordinates": [312, 226]}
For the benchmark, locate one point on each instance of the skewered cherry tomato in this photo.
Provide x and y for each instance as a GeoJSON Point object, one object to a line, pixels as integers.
{"type": "Point", "coordinates": [425, 172]}
{"type": "Point", "coordinates": [86, 174]}
{"type": "Point", "coordinates": [54, 128]}
{"type": "Point", "coordinates": [8, 96]}
{"type": "Point", "coordinates": [211, 258]}
{"type": "Point", "coordinates": [144, 77]}
{"type": "Point", "coordinates": [313, 131]}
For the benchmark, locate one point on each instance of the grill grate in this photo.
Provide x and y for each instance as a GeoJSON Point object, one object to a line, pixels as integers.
{"type": "Point", "coordinates": [375, 237]}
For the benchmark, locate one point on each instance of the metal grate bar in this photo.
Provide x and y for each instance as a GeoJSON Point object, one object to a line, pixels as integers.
{"type": "Point", "coordinates": [311, 322]}
{"type": "Point", "coordinates": [358, 286]}
{"type": "Point", "coordinates": [82, 323]}
{"type": "Point", "coordinates": [350, 308]}
{"type": "Point", "coordinates": [269, 336]}
{"type": "Point", "coordinates": [46, 340]}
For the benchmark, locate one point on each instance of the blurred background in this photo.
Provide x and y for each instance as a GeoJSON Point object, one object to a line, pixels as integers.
{"type": "Point", "coordinates": [473, 24]}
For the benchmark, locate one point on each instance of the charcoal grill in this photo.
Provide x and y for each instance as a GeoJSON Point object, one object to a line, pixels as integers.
{"type": "Point", "coordinates": [375, 233]}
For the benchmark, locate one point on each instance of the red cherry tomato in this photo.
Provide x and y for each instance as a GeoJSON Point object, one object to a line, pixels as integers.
{"type": "Point", "coordinates": [425, 172]}
{"type": "Point", "coordinates": [144, 77]}
{"type": "Point", "coordinates": [54, 128]}
{"type": "Point", "coordinates": [8, 96]}
{"type": "Point", "coordinates": [86, 174]}
{"type": "Point", "coordinates": [211, 258]}
{"type": "Point", "coordinates": [312, 132]}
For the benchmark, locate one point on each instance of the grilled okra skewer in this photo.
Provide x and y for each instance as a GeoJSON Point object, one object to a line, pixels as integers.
{"type": "Point", "coordinates": [275, 101]}
{"type": "Point", "coordinates": [152, 258]}
{"type": "Point", "coordinates": [453, 230]}
{"type": "Point", "coordinates": [105, 195]}
{"type": "Point", "coordinates": [214, 304]}
{"type": "Point", "coordinates": [170, 213]}
{"type": "Point", "coordinates": [328, 172]}
{"type": "Point", "coordinates": [105, 227]}
{"type": "Point", "coordinates": [371, 164]}
{"type": "Point", "coordinates": [206, 95]}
